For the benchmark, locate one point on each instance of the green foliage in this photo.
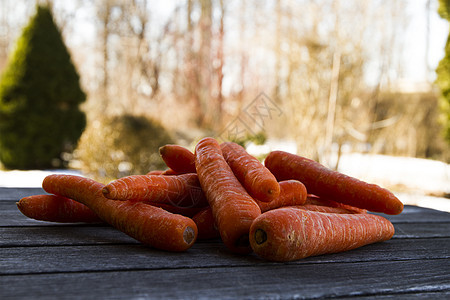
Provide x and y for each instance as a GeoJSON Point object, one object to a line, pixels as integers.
{"type": "Point", "coordinates": [39, 98]}
{"type": "Point", "coordinates": [258, 138]}
{"type": "Point", "coordinates": [443, 74]}
{"type": "Point", "coordinates": [444, 9]}
{"type": "Point", "coordinates": [122, 145]}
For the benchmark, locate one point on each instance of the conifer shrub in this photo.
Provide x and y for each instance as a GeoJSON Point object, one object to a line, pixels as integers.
{"type": "Point", "coordinates": [40, 94]}
{"type": "Point", "coordinates": [113, 147]}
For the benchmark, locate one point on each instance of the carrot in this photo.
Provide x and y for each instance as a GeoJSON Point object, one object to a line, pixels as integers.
{"type": "Point", "coordinates": [325, 209]}
{"type": "Point", "coordinates": [233, 208]}
{"type": "Point", "coordinates": [289, 233]}
{"type": "Point", "coordinates": [251, 173]}
{"type": "Point", "coordinates": [207, 228]}
{"type": "Point", "coordinates": [54, 208]}
{"type": "Point", "coordinates": [292, 192]}
{"type": "Point", "coordinates": [180, 190]}
{"type": "Point", "coordinates": [184, 211]}
{"type": "Point", "coordinates": [148, 224]}
{"type": "Point", "coordinates": [178, 158]}
{"type": "Point", "coordinates": [170, 172]}
{"type": "Point", "coordinates": [155, 172]}
{"type": "Point", "coordinates": [327, 183]}
{"type": "Point", "coordinates": [321, 201]}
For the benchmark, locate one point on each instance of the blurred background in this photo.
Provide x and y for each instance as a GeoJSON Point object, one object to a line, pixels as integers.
{"type": "Point", "coordinates": [352, 84]}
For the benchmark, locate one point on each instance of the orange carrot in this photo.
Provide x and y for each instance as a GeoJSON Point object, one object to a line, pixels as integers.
{"type": "Point", "coordinates": [327, 183]}
{"type": "Point", "coordinates": [251, 173]}
{"type": "Point", "coordinates": [325, 209]}
{"type": "Point", "coordinates": [171, 172]}
{"type": "Point", "coordinates": [155, 172]}
{"type": "Point", "coordinates": [184, 211]}
{"type": "Point", "coordinates": [233, 208]}
{"type": "Point", "coordinates": [289, 233]}
{"type": "Point", "coordinates": [148, 224]}
{"type": "Point", "coordinates": [180, 190]}
{"type": "Point", "coordinates": [54, 208]}
{"type": "Point", "coordinates": [207, 228]}
{"type": "Point", "coordinates": [321, 201]}
{"type": "Point", "coordinates": [178, 158]}
{"type": "Point", "coordinates": [292, 192]}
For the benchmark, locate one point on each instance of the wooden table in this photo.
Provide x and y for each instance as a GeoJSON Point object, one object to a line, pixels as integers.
{"type": "Point", "coordinates": [47, 260]}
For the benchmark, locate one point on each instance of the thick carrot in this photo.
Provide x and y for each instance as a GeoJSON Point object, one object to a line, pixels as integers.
{"type": "Point", "coordinates": [178, 158]}
{"type": "Point", "coordinates": [321, 201]}
{"type": "Point", "coordinates": [184, 211]}
{"type": "Point", "coordinates": [251, 173]}
{"type": "Point", "coordinates": [327, 183]}
{"type": "Point", "coordinates": [53, 208]}
{"type": "Point", "coordinates": [148, 224]}
{"type": "Point", "coordinates": [161, 172]}
{"type": "Point", "coordinates": [180, 190]}
{"type": "Point", "coordinates": [155, 172]}
{"type": "Point", "coordinates": [289, 233]}
{"type": "Point", "coordinates": [206, 225]}
{"type": "Point", "coordinates": [292, 192]}
{"type": "Point", "coordinates": [325, 209]}
{"type": "Point", "coordinates": [233, 208]}
{"type": "Point", "coordinates": [171, 172]}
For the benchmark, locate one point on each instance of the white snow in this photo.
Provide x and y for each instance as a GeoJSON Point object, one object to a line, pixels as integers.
{"type": "Point", "coordinates": [32, 178]}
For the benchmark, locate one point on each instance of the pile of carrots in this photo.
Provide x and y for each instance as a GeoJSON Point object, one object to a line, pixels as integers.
{"type": "Point", "coordinates": [286, 209]}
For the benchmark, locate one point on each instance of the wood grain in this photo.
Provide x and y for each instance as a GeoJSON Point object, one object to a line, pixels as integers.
{"type": "Point", "coordinates": [42, 260]}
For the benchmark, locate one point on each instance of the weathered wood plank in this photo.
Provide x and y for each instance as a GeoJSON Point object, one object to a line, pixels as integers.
{"type": "Point", "coordinates": [11, 216]}
{"type": "Point", "coordinates": [71, 234]}
{"type": "Point", "coordinates": [17, 193]}
{"type": "Point", "coordinates": [61, 235]}
{"type": "Point", "coordinates": [274, 281]}
{"type": "Point", "coordinates": [89, 258]}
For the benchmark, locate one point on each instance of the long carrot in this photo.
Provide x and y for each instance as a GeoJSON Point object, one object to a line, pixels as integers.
{"type": "Point", "coordinates": [322, 181]}
{"type": "Point", "coordinates": [233, 208]}
{"type": "Point", "coordinates": [289, 233]}
{"type": "Point", "coordinates": [178, 158]}
{"type": "Point", "coordinates": [326, 209]}
{"type": "Point", "coordinates": [179, 190]}
{"type": "Point", "coordinates": [292, 192]}
{"type": "Point", "coordinates": [148, 224]}
{"type": "Point", "coordinates": [155, 172]}
{"type": "Point", "coordinates": [53, 208]}
{"type": "Point", "coordinates": [206, 225]}
{"type": "Point", "coordinates": [251, 173]}
{"type": "Point", "coordinates": [321, 201]}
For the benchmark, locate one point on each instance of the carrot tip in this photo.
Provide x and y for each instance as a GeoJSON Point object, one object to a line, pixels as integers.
{"type": "Point", "coordinates": [260, 236]}
{"type": "Point", "coordinates": [189, 235]}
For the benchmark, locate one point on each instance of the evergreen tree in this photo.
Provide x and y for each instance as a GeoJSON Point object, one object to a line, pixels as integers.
{"type": "Point", "coordinates": [40, 96]}
{"type": "Point", "coordinates": [443, 73]}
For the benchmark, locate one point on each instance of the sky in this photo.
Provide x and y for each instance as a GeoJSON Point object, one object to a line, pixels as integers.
{"type": "Point", "coordinates": [416, 67]}
{"type": "Point", "coordinates": [414, 63]}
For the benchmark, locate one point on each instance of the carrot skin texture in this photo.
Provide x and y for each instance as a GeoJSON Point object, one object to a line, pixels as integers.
{"type": "Point", "coordinates": [322, 181]}
{"type": "Point", "coordinates": [251, 173]}
{"type": "Point", "coordinates": [53, 208]}
{"type": "Point", "coordinates": [233, 208]}
{"type": "Point", "coordinates": [148, 224]}
{"type": "Point", "coordinates": [287, 234]}
{"type": "Point", "coordinates": [320, 201]}
{"type": "Point", "coordinates": [155, 172]}
{"type": "Point", "coordinates": [178, 158]}
{"type": "Point", "coordinates": [206, 226]}
{"type": "Point", "coordinates": [180, 190]}
{"type": "Point", "coordinates": [326, 209]}
{"type": "Point", "coordinates": [292, 192]}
